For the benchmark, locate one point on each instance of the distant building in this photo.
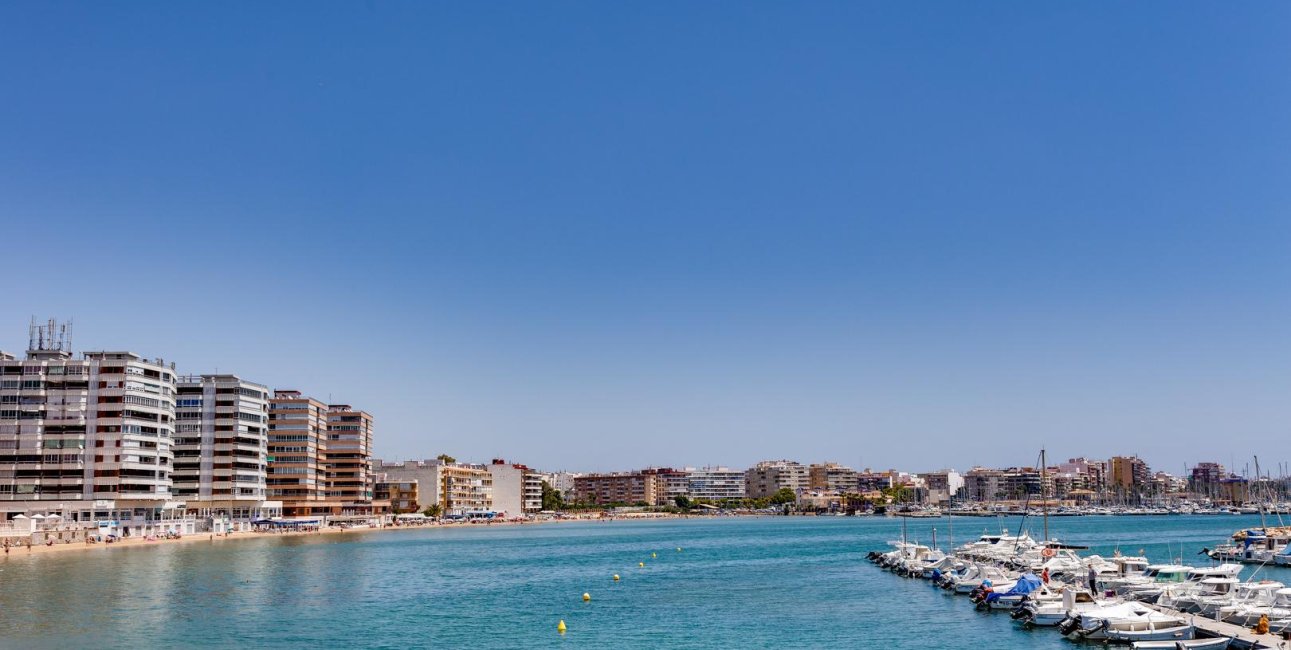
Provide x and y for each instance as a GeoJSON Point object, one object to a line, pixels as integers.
{"type": "Point", "coordinates": [770, 476]}
{"type": "Point", "coordinates": [984, 484]}
{"type": "Point", "coordinates": [458, 488]}
{"type": "Point", "coordinates": [562, 482]}
{"type": "Point", "coordinates": [942, 485]}
{"type": "Point", "coordinates": [402, 495]}
{"type": "Point", "coordinates": [1204, 479]}
{"type": "Point", "coordinates": [832, 477]}
{"type": "Point", "coordinates": [1128, 474]}
{"type": "Point", "coordinates": [672, 483]}
{"type": "Point", "coordinates": [868, 481]}
{"type": "Point", "coordinates": [630, 488]}
{"type": "Point", "coordinates": [517, 490]}
{"type": "Point", "coordinates": [716, 483]}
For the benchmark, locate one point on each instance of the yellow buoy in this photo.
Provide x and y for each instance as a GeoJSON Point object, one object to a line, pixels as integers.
{"type": "Point", "coordinates": [560, 627]}
{"type": "Point", "coordinates": [654, 555]}
{"type": "Point", "coordinates": [640, 563]}
{"type": "Point", "coordinates": [586, 596]}
{"type": "Point", "coordinates": [616, 577]}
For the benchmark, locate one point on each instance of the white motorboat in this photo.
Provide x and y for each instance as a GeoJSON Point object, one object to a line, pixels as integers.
{"type": "Point", "coordinates": [1247, 614]}
{"type": "Point", "coordinates": [1048, 613]}
{"type": "Point", "coordinates": [1217, 643]}
{"type": "Point", "coordinates": [1127, 622]}
{"type": "Point", "coordinates": [1209, 589]}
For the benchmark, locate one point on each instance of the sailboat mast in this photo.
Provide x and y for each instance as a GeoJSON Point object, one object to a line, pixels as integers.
{"type": "Point", "coordinates": [1259, 502]}
{"type": "Point", "coordinates": [1044, 500]}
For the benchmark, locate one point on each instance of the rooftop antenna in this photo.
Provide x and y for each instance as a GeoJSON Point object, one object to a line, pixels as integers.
{"type": "Point", "coordinates": [51, 336]}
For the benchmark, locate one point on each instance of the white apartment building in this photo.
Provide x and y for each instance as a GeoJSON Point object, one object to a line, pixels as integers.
{"type": "Point", "coordinates": [715, 483]}
{"type": "Point", "coordinates": [221, 450]}
{"type": "Point", "coordinates": [88, 439]}
{"type": "Point", "coordinates": [562, 482]}
{"type": "Point", "coordinates": [517, 490]}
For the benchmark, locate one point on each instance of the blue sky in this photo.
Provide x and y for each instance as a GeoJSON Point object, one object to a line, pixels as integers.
{"type": "Point", "coordinates": [592, 236]}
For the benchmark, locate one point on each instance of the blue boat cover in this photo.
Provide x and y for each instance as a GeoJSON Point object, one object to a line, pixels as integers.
{"type": "Point", "coordinates": [1025, 585]}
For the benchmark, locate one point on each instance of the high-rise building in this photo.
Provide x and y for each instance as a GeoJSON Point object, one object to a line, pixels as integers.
{"type": "Point", "coordinates": [319, 457]}
{"type": "Point", "coordinates": [348, 458]}
{"type": "Point", "coordinates": [297, 449]}
{"type": "Point", "coordinates": [89, 439]}
{"type": "Point", "coordinates": [221, 448]}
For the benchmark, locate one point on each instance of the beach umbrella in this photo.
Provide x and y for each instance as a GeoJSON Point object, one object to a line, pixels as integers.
{"type": "Point", "coordinates": [22, 517]}
{"type": "Point", "coordinates": [38, 516]}
{"type": "Point", "coordinates": [54, 517]}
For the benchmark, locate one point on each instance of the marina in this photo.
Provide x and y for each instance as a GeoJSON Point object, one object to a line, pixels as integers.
{"type": "Point", "coordinates": [1123, 599]}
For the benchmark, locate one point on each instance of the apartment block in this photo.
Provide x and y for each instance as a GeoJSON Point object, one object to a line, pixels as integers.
{"type": "Point", "coordinates": [297, 448]}
{"type": "Point", "coordinates": [404, 496]}
{"type": "Point", "coordinates": [629, 488]}
{"type": "Point", "coordinates": [89, 438]}
{"type": "Point", "coordinates": [221, 448]}
{"type": "Point", "coordinates": [716, 483]}
{"type": "Point", "coordinates": [768, 477]}
{"type": "Point", "coordinates": [348, 456]}
{"type": "Point", "coordinates": [832, 477]}
{"type": "Point", "coordinates": [458, 488]}
{"type": "Point", "coordinates": [517, 490]}
{"type": "Point", "coordinates": [319, 457]}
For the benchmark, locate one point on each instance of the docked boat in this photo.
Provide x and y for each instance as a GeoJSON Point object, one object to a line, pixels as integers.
{"type": "Point", "coordinates": [1048, 613]}
{"type": "Point", "coordinates": [1126, 622]}
{"type": "Point", "coordinates": [1248, 612]}
{"type": "Point", "coordinates": [1217, 643]}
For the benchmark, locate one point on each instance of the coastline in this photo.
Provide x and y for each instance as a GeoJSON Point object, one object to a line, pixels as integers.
{"type": "Point", "coordinates": [212, 538]}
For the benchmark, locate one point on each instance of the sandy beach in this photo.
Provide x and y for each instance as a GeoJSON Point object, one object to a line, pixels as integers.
{"type": "Point", "coordinates": [15, 552]}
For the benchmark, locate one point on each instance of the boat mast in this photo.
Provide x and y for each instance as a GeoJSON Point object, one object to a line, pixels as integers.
{"type": "Point", "coordinates": [1259, 502]}
{"type": "Point", "coordinates": [1044, 501]}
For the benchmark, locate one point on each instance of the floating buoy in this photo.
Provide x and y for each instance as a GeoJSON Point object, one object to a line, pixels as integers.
{"type": "Point", "coordinates": [560, 627]}
{"type": "Point", "coordinates": [654, 555]}
{"type": "Point", "coordinates": [616, 577]}
{"type": "Point", "coordinates": [678, 549]}
{"type": "Point", "coordinates": [586, 597]}
{"type": "Point", "coordinates": [640, 563]}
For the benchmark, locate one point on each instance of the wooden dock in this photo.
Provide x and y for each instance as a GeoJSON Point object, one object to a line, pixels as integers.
{"type": "Point", "coordinates": [1242, 637]}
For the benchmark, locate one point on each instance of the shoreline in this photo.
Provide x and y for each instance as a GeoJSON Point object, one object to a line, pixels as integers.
{"type": "Point", "coordinates": [212, 538]}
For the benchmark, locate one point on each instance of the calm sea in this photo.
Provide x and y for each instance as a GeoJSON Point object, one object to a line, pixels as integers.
{"type": "Point", "coordinates": [777, 582]}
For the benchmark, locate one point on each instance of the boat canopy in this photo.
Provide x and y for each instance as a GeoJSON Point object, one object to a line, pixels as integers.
{"type": "Point", "coordinates": [1025, 585]}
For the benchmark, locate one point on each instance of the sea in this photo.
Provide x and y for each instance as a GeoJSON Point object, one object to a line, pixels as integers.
{"type": "Point", "coordinates": [724, 582]}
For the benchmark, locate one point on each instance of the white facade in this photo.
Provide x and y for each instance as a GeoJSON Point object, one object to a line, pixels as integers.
{"type": "Point", "coordinates": [221, 449]}
{"type": "Point", "coordinates": [716, 483]}
{"type": "Point", "coordinates": [517, 490]}
{"type": "Point", "coordinates": [89, 439]}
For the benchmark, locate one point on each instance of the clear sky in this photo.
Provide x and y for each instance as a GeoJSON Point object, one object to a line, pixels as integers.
{"type": "Point", "coordinates": [605, 235]}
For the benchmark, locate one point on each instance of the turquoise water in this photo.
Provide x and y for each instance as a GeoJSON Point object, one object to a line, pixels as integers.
{"type": "Point", "coordinates": [784, 582]}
